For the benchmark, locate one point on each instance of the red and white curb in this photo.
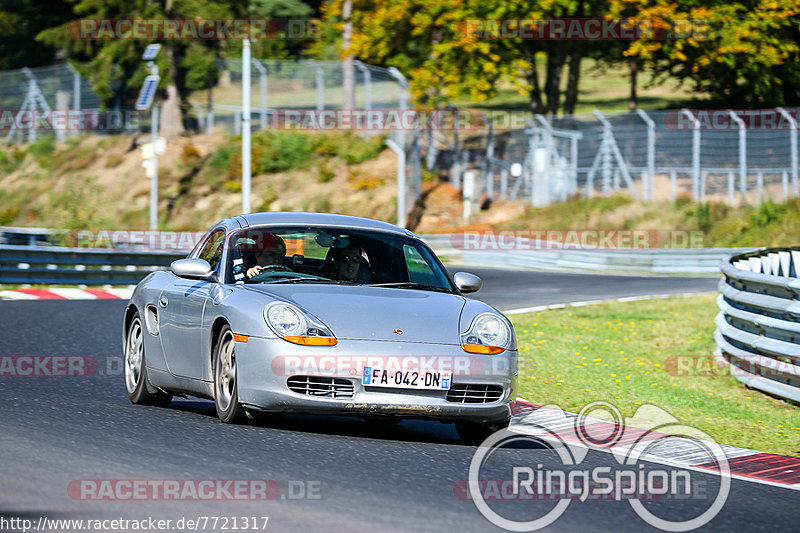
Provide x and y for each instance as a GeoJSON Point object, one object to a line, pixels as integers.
{"type": "Point", "coordinates": [555, 425]}
{"type": "Point", "coordinates": [66, 294]}
{"type": "Point", "coordinates": [584, 303]}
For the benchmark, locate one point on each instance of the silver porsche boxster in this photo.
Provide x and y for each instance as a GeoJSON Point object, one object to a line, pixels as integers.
{"type": "Point", "coordinates": [317, 313]}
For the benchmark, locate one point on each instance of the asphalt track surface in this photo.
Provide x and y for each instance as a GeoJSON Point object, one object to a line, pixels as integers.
{"type": "Point", "coordinates": [363, 476]}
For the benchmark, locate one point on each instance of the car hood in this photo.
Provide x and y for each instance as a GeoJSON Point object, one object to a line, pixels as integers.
{"type": "Point", "coordinates": [374, 313]}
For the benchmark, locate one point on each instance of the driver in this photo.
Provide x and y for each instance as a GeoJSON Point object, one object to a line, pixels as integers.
{"type": "Point", "coordinates": [269, 256]}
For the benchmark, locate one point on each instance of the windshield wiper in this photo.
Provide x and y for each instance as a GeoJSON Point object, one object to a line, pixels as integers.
{"type": "Point", "coordinates": [411, 285]}
{"type": "Point", "coordinates": [313, 280]}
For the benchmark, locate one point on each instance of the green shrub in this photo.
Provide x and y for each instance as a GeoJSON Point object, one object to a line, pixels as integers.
{"type": "Point", "coordinates": [326, 173]}
{"type": "Point", "coordinates": [278, 151]}
{"type": "Point", "coordinates": [351, 147]}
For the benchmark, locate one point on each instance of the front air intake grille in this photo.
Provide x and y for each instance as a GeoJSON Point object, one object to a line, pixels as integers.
{"type": "Point", "coordinates": [474, 393]}
{"type": "Point", "coordinates": [321, 386]}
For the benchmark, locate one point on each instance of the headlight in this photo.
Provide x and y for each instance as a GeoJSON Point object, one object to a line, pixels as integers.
{"type": "Point", "coordinates": [292, 325]}
{"type": "Point", "coordinates": [488, 335]}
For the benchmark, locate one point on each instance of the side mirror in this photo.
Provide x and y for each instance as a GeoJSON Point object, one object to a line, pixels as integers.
{"type": "Point", "coordinates": [467, 282]}
{"type": "Point", "coordinates": [192, 269]}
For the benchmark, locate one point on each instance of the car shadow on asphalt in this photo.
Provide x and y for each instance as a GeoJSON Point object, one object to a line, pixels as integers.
{"type": "Point", "coordinates": [427, 431]}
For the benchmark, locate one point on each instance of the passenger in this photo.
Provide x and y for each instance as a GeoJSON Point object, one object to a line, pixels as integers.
{"type": "Point", "coordinates": [347, 264]}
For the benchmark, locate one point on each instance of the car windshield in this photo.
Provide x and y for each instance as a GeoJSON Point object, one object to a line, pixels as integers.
{"type": "Point", "coordinates": [333, 255]}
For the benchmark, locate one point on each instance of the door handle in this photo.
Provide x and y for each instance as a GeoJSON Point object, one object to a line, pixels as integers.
{"type": "Point", "coordinates": [162, 302]}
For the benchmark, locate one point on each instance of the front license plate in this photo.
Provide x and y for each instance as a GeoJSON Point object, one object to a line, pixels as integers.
{"type": "Point", "coordinates": [405, 379]}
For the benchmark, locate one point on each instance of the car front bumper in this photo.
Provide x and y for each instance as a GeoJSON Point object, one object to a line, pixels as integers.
{"type": "Point", "coordinates": [265, 365]}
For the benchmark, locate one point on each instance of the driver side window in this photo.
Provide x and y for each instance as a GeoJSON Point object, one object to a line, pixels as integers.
{"type": "Point", "coordinates": [212, 248]}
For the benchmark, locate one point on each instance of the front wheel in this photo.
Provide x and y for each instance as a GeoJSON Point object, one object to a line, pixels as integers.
{"type": "Point", "coordinates": [226, 390]}
{"type": "Point", "coordinates": [474, 433]}
{"type": "Point", "coordinates": [136, 370]}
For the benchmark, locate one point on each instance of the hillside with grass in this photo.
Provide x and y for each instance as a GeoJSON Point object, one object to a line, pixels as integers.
{"type": "Point", "coordinates": [98, 182]}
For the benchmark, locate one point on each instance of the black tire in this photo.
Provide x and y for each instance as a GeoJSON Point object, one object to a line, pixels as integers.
{"type": "Point", "coordinates": [226, 386]}
{"type": "Point", "coordinates": [474, 433]}
{"type": "Point", "coordinates": [135, 368]}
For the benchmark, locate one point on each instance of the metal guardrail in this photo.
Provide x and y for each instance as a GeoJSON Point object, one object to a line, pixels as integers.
{"type": "Point", "coordinates": [79, 266]}
{"type": "Point", "coordinates": [91, 266]}
{"type": "Point", "coordinates": [758, 326]}
{"type": "Point", "coordinates": [555, 256]}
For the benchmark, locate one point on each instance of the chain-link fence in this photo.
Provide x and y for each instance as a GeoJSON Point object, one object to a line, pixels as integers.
{"type": "Point", "coordinates": [29, 98]}
{"type": "Point", "coordinates": [293, 85]}
{"type": "Point", "coordinates": [722, 155]}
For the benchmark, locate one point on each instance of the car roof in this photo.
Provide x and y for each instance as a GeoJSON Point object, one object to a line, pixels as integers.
{"type": "Point", "coordinates": [317, 219]}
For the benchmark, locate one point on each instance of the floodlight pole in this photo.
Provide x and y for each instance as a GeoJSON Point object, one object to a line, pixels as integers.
{"type": "Point", "coordinates": [246, 171]}
{"type": "Point", "coordinates": [154, 138]}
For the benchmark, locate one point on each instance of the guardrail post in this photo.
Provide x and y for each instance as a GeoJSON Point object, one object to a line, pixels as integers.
{"type": "Point", "coordinates": [695, 154]}
{"type": "Point", "coordinates": [792, 148]}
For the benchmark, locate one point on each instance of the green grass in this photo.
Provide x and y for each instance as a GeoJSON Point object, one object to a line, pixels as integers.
{"type": "Point", "coordinates": [680, 224]}
{"type": "Point", "coordinates": [624, 353]}
{"type": "Point", "coordinates": [606, 89]}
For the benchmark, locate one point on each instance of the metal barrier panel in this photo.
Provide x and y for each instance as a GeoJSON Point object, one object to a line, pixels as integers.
{"type": "Point", "coordinates": [758, 326]}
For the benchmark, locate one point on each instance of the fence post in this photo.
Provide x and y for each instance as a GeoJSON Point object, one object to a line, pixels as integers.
{"type": "Point", "coordinates": [647, 186]}
{"type": "Point", "coordinates": [695, 154]}
{"type": "Point", "coordinates": [673, 185]}
{"type": "Point", "coordinates": [742, 153]}
{"type": "Point", "coordinates": [455, 167]}
{"type": "Point", "coordinates": [401, 181]}
{"type": "Point", "coordinates": [320, 83]}
{"type": "Point", "coordinates": [210, 119]}
{"type": "Point", "coordinates": [488, 164]}
{"type": "Point", "coordinates": [785, 185]}
{"type": "Point", "coordinates": [262, 82]}
{"type": "Point", "coordinates": [793, 147]}
{"type": "Point", "coordinates": [504, 184]}
{"type": "Point", "coordinates": [573, 154]}
{"type": "Point", "coordinates": [367, 91]}
{"type": "Point", "coordinates": [469, 193]}
{"type": "Point", "coordinates": [731, 189]}
{"type": "Point", "coordinates": [760, 187]}
{"type": "Point", "coordinates": [703, 178]}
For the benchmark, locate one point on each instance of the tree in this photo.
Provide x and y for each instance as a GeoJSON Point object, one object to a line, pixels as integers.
{"type": "Point", "coordinates": [20, 21]}
{"type": "Point", "coordinates": [185, 65]}
{"type": "Point", "coordinates": [741, 53]}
